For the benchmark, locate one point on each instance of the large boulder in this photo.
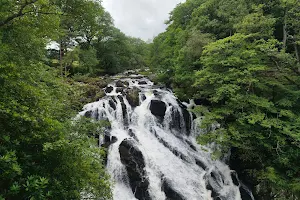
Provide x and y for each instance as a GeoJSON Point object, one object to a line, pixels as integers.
{"type": "Point", "coordinates": [109, 89]}
{"type": "Point", "coordinates": [133, 97]}
{"type": "Point", "coordinates": [158, 108]}
{"type": "Point", "coordinates": [133, 160]}
{"type": "Point", "coordinates": [122, 84]}
{"type": "Point", "coordinates": [142, 83]}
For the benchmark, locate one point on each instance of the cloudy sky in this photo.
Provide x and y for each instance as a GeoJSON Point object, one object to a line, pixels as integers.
{"type": "Point", "coordinates": [140, 18]}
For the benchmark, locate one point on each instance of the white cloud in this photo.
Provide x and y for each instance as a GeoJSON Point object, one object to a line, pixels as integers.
{"type": "Point", "coordinates": [140, 18]}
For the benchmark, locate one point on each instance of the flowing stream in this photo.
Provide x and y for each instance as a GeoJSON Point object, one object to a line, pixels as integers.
{"type": "Point", "coordinates": [152, 149]}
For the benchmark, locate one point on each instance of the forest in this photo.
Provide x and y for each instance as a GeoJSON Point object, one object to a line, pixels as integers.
{"type": "Point", "coordinates": [43, 153]}
{"type": "Point", "coordinates": [238, 59]}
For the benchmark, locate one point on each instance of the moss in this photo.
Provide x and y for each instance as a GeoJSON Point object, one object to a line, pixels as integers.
{"type": "Point", "coordinates": [87, 89]}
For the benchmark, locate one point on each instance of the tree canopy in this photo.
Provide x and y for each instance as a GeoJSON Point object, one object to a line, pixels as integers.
{"type": "Point", "coordinates": [44, 153]}
{"type": "Point", "coordinates": [240, 61]}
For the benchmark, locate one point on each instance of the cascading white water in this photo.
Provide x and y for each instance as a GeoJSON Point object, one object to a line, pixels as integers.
{"type": "Point", "coordinates": [154, 154]}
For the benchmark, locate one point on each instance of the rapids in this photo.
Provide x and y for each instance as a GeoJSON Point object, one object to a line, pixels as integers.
{"type": "Point", "coordinates": [152, 150]}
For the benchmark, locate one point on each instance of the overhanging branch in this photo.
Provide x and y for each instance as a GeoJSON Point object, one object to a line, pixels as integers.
{"type": "Point", "coordinates": [20, 13]}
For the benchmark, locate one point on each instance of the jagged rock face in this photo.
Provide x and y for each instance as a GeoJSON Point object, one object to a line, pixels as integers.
{"type": "Point", "coordinates": [109, 89]}
{"type": "Point", "coordinates": [133, 96]}
{"type": "Point", "coordinates": [122, 84]}
{"type": "Point", "coordinates": [170, 193]}
{"type": "Point", "coordinates": [134, 162]}
{"type": "Point", "coordinates": [152, 149]}
{"type": "Point", "coordinates": [158, 108]}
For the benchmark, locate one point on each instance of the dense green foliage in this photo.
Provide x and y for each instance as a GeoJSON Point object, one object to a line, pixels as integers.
{"type": "Point", "coordinates": [240, 59]}
{"type": "Point", "coordinates": [90, 44]}
{"type": "Point", "coordinates": [44, 154]}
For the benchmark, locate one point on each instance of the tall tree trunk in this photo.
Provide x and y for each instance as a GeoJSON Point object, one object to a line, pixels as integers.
{"type": "Point", "coordinates": [284, 30]}
{"type": "Point", "coordinates": [60, 58]}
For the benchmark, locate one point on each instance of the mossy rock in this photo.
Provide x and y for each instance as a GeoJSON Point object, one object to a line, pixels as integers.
{"type": "Point", "coordinates": [133, 97]}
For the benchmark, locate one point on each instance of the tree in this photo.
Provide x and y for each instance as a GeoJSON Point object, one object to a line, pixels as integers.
{"type": "Point", "coordinates": [255, 97]}
{"type": "Point", "coordinates": [42, 156]}
{"type": "Point", "coordinates": [240, 60]}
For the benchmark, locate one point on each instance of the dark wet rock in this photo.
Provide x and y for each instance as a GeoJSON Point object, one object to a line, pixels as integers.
{"type": "Point", "coordinates": [122, 84]}
{"type": "Point", "coordinates": [143, 97]}
{"type": "Point", "coordinates": [109, 89]}
{"type": "Point", "coordinates": [181, 104]}
{"type": "Point", "coordinates": [159, 86]}
{"type": "Point", "coordinates": [142, 83]}
{"type": "Point", "coordinates": [133, 97]}
{"type": "Point", "coordinates": [245, 193]}
{"type": "Point", "coordinates": [156, 93]}
{"type": "Point", "coordinates": [214, 194]}
{"type": "Point", "coordinates": [133, 160]}
{"type": "Point", "coordinates": [112, 104]}
{"type": "Point", "coordinates": [121, 90]}
{"type": "Point", "coordinates": [96, 114]}
{"type": "Point", "coordinates": [175, 122]}
{"type": "Point", "coordinates": [114, 139]}
{"type": "Point", "coordinates": [235, 178]}
{"type": "Point", "coordinates": [171, 194]}
{"type": "Point", "coordinates": [109, 140]}
{"type": "Point", "coordinates": [126, 84]}
{"type": "Point", "coordinates": [194, 116]}
{"type": "Point", "coordinates": [201, 164]}
{"type": "Point", "coordinates": [187, 119]}
{"type": "Point", "coordinates": [158, 108]}
{"type": "Point", "coordinates": [128, 73]}
{"type": "Point", "coordinates": [88, 113]}
{"type": "Point", "coordinates": [242, 167]}
{"type": "Point", "coordinates": [191, 145]}
{"type": "Point", "coordinates": [213, 183]}
{"type": "Point", "coordinates": [124, 110]}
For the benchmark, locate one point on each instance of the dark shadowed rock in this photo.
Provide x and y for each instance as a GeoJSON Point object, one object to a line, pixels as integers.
{"type": "Point", "coordinates": [245, 193]}
{"type": "Point", "coordinates": [109, 140]}
{"type": "Point", "coordinates": [122, 84]}
{"type": "Point", "coordinates": [201, 164]}
{"type": "Point", "coordinates": [124, 110]}
{"type": "Point", "coordinates": [175, 122]}
{"type": "Point", "coordinates": [191, 145]}
{"type": "Point", "coordinates": [121, 90]}
{"type": "Point", "coordinates": [134, 162]}
{"type": "Point", "coordinates": [235, 178]}
{"type": "Point", "coordinates": [194, 116]}
{"type": "Point", "coordinates": [142, 83]}
{"type": "Point", "coordinates": [171, 194]}
{"type": "Point", "coordinates": [88, 114]}
{"type": "Point", "coordinates": [158, 108]}
{"type": "Point", "coordinates": [156, 93]}
{"type": "Point", "coordinates": [109, 89]}
{"type": "Point", "coordinates": [143, 97]}
{"type": "Point", "coordinates": [187, 119]}
{"type": "Point", "coordinates": [112, 104]}
{"type": "Point", "coordinates": [133, 97]}
{"type": "Point", "coordinates": [203, 102]}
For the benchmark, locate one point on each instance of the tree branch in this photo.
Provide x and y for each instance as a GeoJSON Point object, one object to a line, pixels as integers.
{"type": "Point", "coordinates": [18, 14]}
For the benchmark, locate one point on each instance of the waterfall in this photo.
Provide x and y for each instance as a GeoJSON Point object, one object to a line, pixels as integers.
{"type": "Point", "coordinates": [152, 148]}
